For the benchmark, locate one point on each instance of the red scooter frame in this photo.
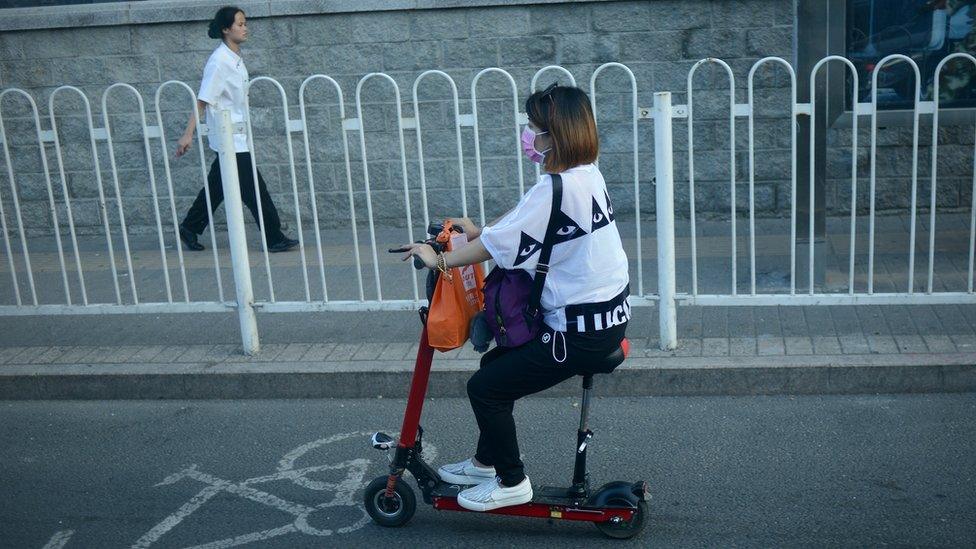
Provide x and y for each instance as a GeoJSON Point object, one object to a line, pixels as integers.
{"type": "Point", "coordinates": [618, 509]}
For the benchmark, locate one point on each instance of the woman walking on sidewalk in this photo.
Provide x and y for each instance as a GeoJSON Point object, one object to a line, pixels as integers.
{"type": "Point", "coordinates": [223, 87]}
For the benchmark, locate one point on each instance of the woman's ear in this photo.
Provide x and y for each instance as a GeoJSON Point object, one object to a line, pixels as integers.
{"type": "Point", "coordinates": [543, 142]}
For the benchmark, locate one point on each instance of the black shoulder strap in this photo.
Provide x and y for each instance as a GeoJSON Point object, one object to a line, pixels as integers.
{"type": "Point", "coordinates": [542, 267]}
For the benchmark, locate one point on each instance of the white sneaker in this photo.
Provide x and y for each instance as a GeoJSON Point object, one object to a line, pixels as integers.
{"type": "Point", "coordinates": [465, 473]}
{"type": "Point", "coordinates": [492, 495]}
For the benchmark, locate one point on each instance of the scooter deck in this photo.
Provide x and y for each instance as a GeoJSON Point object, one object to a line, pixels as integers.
{"type": "Point", "coordinates": [547, 502]}
{"type": "Point", "coordinates": [550, 495]}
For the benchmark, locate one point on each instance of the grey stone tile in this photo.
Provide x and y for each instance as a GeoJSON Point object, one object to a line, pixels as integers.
{"type": "Point", "coordinates": [882, 344]}
{"type": "Point", "coordinates": [111, 355]}
{"type": "Point", "coordinates": [899, 319]}
{"type": "Point", "coordinates": [743, 346]}
{"type": "Point", "coordinates": [854, 344]}
{"type": "Point", "coordinates": [741, 323]}
{"type": "Point", "coordinates": [818, 322]}
{"type": "Point", "coordinates": [767, 322]}
{"type": "Point", "coordinates": [224, 353]}
{"type": "Point", "coordinates": [911, 344]}
{"type": "Point", "coordinates": [268, 353]}
{"type": "Point", "coordinates": [793, 322]}
{"type": "Point", "coordinates": [715, 346]}
{"type": "Point", "coordinates": [75, 355]}
{"type": "Point", "coordinates": [28, 355]}
{"type": "Point", "coordinates": [845, 319]}
{"type": "Point", "coordinates": [872, 321]}
{"type": "Point", "coordinates": [169, 354]}
{"type": "Point", "coordinates": [395, 351]}
{"type": "Point", "coordinates": [953, 322]}
{"type": "Point", "coordinates": [690, 322]}
{"type": "Point", "coordinates": [939, 344]}
{"type": "Point", "coordinates": [412, 352]}
{"type": "Point", "coordinates": [688, 347]}
{"type": "Point", "coordinates": [195, 353]}
{"type": "Point", "coordinates": [656, 352]}
{"type": "Point", "coordinates": [925, 319]}
{"type": "Point", "coordinates": [715, 322]}
{"type": "Point", "coordinates": [8, 353]}
{"type": "Point", "coordinates": [318, 352]}
{"type": "Point", "coordinates": [965, 343]}
{"type": "Point", "coordinates": [146, 353]}
{"type": "Point", "coordinates": [826, 345]}
{"type": "Point", "coordinates": [51, 355]}
{"type": "Point", "coordinates": [771, 346]}
{"type": "Point", "coordinates": [343, 351]}
{"type": "Point", "coordinates": [798, 345]}
{"type": "Point", "coordinates": [369, 351]}
{"type": "Point", "coordinates": [293, 352]}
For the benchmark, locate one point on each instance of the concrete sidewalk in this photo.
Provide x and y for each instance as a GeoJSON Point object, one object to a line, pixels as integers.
{"type": "Point", "coordinates": [722, 350]}
{"type": "Point", "coordinates": [725, 350]}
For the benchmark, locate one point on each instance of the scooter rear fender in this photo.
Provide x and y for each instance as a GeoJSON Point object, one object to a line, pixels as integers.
{"type": "Point", "coordinates": [631, 492]}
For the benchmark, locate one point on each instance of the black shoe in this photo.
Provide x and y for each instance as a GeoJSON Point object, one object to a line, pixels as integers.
{"type": "Point", "coordinates": [283, 245]}
{"type": "Point", "coordinates": [189, 239]}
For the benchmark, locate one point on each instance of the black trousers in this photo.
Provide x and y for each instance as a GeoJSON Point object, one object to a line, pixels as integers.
{"type": "Point", "coordinates": [196, 218]}
{"type": "Point", "coordinates": [508, 374]}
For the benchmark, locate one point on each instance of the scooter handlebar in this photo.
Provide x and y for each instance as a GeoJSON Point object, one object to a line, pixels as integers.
{"type": "Point", "coordinates": [417, 262]}
{"type": "Point", "coordinates": [433, 229]}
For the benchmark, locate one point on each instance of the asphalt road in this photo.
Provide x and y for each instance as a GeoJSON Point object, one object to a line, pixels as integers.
{"type": "Point", "coordinates": [749, 472]}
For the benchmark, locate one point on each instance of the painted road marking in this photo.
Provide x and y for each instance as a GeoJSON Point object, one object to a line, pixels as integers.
{"type": "Point", "coordinates": [345, 491]}
{"type": "Point", "coordinates": [59, 539]}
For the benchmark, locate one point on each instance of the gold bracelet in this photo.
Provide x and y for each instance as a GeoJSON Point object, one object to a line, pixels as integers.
{"type": "Point", "coordinates": [442, 265]}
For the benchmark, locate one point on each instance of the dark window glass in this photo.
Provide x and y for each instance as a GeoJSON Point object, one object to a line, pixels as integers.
{"type": "Point", "coordinates": [924, 30]}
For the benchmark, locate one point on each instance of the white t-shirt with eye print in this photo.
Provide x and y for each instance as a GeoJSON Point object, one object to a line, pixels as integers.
{"type": "Point", "coordinates": [588, 263]}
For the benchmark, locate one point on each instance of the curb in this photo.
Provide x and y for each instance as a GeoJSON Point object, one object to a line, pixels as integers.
{"type": "Point", "coordinates": [672, 376]}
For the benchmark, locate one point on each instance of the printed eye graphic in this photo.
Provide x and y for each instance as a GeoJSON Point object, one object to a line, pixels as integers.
{"type": "Point", "coordinates": [527, 250]}
{"type": "Point", "coordinates": [566, 230]}
{"type": "Point", "coordinates": [597, 217]}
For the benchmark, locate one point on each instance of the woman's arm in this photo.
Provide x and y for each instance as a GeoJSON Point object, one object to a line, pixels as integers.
{"type": "Point", "coordinates": [474, 252]}
{"type": "Point", "coordinates": [186, 139]}
{"type": "Point", "coordinates": [471, 229]}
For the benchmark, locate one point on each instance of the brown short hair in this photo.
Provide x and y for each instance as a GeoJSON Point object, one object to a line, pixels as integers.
{"type": "Point", "coordinates": [566, 114]}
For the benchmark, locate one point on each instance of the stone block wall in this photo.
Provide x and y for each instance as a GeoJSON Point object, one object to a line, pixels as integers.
{"type": "Point", "coordinates": [658, 39]}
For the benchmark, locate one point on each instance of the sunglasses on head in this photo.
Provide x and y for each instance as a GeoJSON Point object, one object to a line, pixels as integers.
{"type": "Point", "coordinates": [548, 91]}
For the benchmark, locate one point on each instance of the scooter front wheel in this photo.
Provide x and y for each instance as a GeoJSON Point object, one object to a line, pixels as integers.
{"type": "Point", "coordinates": [625, 529]}
{"type": "Point", "coordinates": [390, 511]}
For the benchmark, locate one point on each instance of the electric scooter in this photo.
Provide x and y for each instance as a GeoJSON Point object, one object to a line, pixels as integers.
{"type": "Point", "coordinates": [618, 509]}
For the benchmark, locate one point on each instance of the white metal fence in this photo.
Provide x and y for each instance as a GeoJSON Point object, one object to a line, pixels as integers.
{"type": "Point", "coordinates": [870, 109]}
{"type": "Point", "coordinates": [112, 216]}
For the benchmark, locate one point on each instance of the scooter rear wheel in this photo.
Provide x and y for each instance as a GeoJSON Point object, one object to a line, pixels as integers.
{"type": "Point", "coordinates": [390, 512]}
{"type": "Point", "coordinates": [627, 529]}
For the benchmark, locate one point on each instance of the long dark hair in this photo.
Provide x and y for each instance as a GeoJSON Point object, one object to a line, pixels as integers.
{"type": "Point", "coordinates": [223, 19]}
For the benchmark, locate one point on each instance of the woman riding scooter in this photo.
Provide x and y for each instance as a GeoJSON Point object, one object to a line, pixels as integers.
{"type": "Point", "coordinates": [584, 299]}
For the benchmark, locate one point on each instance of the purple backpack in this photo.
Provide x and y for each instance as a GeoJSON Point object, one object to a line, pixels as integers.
{"type": "Point", "coordinates": [512, 296]}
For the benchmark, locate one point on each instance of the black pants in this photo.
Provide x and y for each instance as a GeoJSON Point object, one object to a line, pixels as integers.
{"type": "Point", "coordinates": [196, 218]}
{"type": "Point", "coordinates": [508, 374]}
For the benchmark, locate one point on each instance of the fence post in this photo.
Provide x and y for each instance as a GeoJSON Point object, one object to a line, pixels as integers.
{"type": "Point", "coordinates": [233, 208]}
{"type": "Point", "coordinates": [664, 168]}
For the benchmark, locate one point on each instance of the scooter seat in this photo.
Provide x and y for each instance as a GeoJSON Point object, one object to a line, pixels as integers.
{"type": "Point", "coordinates": [610, 362]}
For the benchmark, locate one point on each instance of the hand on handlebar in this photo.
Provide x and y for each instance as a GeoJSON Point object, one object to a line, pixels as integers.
{"type": "Point", "coordinates": [421, 252]}
{"type": "Point", "coordinates": [425, 253]}
{"type": "Point", "coordinates": [468, 227]}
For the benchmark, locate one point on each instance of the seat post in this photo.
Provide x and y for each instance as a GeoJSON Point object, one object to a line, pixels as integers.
{"type": "Point", "coordinates": [581, 487]}
{"type": "Point", "coordinates": [585, 404]}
